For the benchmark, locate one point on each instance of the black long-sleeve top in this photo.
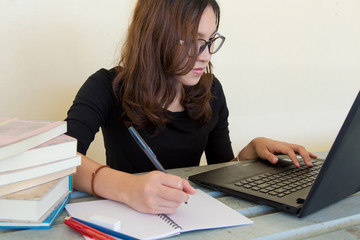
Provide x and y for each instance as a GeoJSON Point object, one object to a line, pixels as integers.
{"type": "Point", "coordinates": [180, 144]}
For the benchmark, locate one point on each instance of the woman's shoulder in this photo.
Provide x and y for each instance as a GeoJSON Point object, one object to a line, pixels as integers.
{"type": "Point", "coordinates": [100, 80]}
{"type": "Point", "coordinates": [98, 87]}
{"type": "Point", "coordinates": [104, 75]}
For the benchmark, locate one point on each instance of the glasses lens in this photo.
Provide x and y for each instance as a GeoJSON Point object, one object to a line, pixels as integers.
{"type": "Point", "coordinates": [201, 45]}
{"type": "Point", "coordinates": [216, 44]}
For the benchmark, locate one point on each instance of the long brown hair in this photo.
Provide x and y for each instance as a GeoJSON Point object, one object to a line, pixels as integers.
{"type": "Point", "coordinates": [151, 58]}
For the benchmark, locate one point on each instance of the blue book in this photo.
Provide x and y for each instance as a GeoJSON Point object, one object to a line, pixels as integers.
{"type": "Point", "coordinates": [46, 224]}
{"type": "Point", "coordinates": [48, 218]}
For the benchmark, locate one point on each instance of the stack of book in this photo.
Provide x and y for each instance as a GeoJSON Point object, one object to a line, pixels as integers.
{"type": "Point", "coordinates": [37, 160]}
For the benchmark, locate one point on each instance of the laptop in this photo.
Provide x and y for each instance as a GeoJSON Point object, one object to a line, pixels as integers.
{"type": "Point", "coordinates": [302, 190]}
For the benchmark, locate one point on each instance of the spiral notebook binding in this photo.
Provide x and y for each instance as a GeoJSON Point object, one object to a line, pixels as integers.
{"type": "Point", "coordinates": [169, 221]}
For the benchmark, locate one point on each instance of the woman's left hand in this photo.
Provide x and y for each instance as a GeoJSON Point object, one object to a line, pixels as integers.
{"type": "Point", "coordinates": [266, 148]}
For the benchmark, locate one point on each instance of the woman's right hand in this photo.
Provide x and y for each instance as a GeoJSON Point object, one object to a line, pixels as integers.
{"type": "Point", "coordinates": [156, 192]}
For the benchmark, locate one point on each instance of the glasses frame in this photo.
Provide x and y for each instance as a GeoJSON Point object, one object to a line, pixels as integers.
{"type": "Point", "coordinates": [210, 42]}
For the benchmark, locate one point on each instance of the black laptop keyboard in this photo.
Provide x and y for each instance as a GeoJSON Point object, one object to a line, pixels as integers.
{"type": "Point", "coordinates": [283, 183]}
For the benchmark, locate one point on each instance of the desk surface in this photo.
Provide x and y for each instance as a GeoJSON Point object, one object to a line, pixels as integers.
{"type": "Point", "coordinates": [339, 221]}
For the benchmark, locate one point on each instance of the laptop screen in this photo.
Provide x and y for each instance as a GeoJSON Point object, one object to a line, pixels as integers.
{"type": "Point", "coordinates": [339, 176]}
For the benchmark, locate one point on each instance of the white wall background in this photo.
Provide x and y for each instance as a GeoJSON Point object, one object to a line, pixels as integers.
{"type": "Point", "coordinates": [290, 68]}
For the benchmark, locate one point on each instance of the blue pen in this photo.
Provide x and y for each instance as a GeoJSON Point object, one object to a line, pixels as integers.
{"type": "Point", "coordinates": [140, 141]}
{"type": "Point", "coordinates": [106, 230]}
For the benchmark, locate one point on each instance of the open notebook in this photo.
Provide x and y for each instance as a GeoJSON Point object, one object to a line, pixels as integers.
{"type": "Point", "coordinates": [201, 212]}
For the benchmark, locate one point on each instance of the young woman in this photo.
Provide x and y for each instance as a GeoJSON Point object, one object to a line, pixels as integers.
{"type": "Point", "coordinates": [164, 87]}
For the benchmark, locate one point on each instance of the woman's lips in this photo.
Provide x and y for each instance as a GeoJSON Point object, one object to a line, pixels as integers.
{"type": "Point", "coordinates": [198, 71]}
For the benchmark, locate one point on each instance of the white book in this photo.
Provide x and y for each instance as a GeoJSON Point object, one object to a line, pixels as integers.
{"type": "Point", "coordinates": [33, 203]}
{"type": "Point", "coordinates": [37, 171]}
{"type": "Point", "coordinates": [58, 148]}
{"type": "Point", "coordinates": [201, 212]}
{"type": "Point", "coordinates": [18, 135]}
{"type": "Point", "coordinates": [22, 185]}
{"type": "Point", "coordinates": [49, 218]}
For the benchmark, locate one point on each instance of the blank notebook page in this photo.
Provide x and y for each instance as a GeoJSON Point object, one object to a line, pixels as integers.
{"type": "Point", "coordinates": [201, 212]}
{"type": "Point", "coordinates": [204, 212]}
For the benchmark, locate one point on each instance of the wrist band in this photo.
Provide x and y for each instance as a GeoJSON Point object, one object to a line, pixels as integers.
{"type": "Point", "coordinates": [93, 179]}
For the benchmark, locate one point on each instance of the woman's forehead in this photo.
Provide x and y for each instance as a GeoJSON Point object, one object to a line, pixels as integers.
{"type": "Point", "coordinates": [207, 24]}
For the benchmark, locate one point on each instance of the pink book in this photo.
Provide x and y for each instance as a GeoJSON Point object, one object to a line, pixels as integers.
{"type": "Point", "coordinates": [18, 135]}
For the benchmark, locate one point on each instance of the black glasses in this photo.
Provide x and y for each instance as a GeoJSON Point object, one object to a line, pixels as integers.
{"type": "Point", "coordinates": [214, 44]}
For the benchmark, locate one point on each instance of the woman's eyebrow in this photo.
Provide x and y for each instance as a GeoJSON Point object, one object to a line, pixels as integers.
{"type": "Point", "coordinates": [201, 35]}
